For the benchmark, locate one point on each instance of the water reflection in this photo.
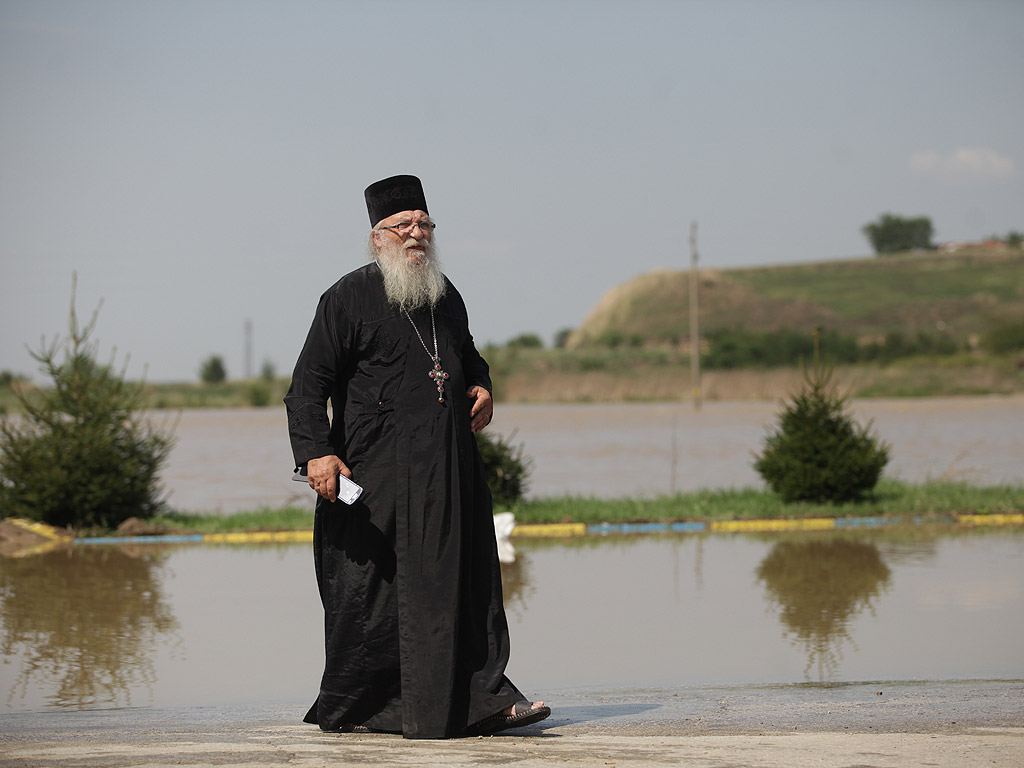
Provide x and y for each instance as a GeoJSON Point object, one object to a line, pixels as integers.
{"type": "Point", "coordinates": [84, 623]}
{"type": "Point", "coordinates": [204, 625]}
{"type": "Point", "coordinates": [819, 586]}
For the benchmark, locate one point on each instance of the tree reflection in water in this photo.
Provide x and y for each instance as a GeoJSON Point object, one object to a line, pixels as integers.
{"type": "Point", "coordinates": [820, 585]}
{"type": "Point", "coordinates": [516, 586]}
{"type": "Point", "coordinates": [85, 621]}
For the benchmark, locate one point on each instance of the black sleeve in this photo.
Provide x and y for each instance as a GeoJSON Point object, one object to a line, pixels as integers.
{"type": "Point", "coordinates": [316, 373]}
{"type": "Point", "coordinates": [474, 367]}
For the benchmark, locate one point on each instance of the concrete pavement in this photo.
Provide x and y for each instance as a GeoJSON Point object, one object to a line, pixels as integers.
{"type": "Point", "coordinates": [954, 725]}
{"type": "Point", "coordinates": [289, 745]}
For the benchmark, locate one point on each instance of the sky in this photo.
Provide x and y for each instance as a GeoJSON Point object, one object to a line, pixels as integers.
{"type": "Point", "coordinates": [200, 164]}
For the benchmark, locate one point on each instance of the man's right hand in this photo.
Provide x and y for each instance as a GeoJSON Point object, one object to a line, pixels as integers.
{"type": "Point", "coordinates": [323, 475]}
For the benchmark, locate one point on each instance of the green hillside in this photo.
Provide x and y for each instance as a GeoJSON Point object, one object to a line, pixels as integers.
{"type": "Point", "coordinates": [959, 295]}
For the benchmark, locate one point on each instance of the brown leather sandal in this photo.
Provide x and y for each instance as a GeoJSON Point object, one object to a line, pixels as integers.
{"type": "Point", "coordinates": [523, 713]}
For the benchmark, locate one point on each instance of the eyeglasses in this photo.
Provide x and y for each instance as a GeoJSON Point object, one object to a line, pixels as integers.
{"type": "Point", "coordinates": [406, 227]}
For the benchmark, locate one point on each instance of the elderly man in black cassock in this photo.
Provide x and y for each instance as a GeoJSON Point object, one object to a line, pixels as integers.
{"type": "Point", "coordinates": [416, 634]}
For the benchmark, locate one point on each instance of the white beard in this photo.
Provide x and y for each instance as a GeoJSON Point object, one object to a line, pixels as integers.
{"type": "Point", "coordinates": [407, 284]}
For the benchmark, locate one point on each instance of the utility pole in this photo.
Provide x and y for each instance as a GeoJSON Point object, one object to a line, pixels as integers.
{"type": "Point", "coordinates": [694, 319]}
{"type": "Point", "coordinates": [248, 349]}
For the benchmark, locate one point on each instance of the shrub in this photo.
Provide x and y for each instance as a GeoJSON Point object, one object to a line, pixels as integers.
{"type": "Point", "coordinates": [897, 346]}
{"type": "Point", "coordinates": [506, 469]}
{"type": "Point", "coordinates": [258, 394]}
{"type": "Point", "coordinates": [1003, 337]}
{"type": "Point", "coordinates": [819, 453]}
{"type": "Point", "coordinates": [611, 339]}
{"type": "Point", "coordinates": [562, 338]}
{"type": "Point", "coordinates": [268, 371]}
{"type": "Point", "coordinates": [526, 341]}
{"type": "Point", "coordinates": [740, 348]}
{"type": "Point", "coordinates": [80, 454]}
{"type": "Point", "coordinates": [212, 370]}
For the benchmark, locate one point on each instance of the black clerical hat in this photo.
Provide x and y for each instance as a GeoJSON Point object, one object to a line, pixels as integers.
{"type": "Point", "coordinates": [389, 196]}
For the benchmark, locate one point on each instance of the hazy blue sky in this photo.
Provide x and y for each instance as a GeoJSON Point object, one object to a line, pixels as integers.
{"type": "Point", "coordinates": [202, 163]}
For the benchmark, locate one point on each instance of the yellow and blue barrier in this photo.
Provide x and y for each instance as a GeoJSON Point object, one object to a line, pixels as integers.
{"type": "Point", "coordinates": [54, 537]}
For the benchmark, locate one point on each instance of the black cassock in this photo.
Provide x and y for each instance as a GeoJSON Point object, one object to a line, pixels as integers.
{"type": "Point", "coordinates": [416, 634]}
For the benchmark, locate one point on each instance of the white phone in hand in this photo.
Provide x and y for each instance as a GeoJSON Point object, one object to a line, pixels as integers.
{"type": "Point", "coordinates": [348, 491]}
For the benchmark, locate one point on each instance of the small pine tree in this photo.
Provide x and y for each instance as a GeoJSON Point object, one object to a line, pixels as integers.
{"type": "Point", "coordinates": [819, 453]}
{"type": "Point", "coordinates": [80, 454]}
{"type": "Point", "coordinates": [506, 469]}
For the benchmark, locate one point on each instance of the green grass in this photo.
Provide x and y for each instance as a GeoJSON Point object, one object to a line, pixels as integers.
{"type": "Point", "coordinates": [892, 499]}
{"type": "Point", "coordinates": [505, 361]}
{"type": "Point", "coordinates": [229, 394]}
{"type": "Point", "coordinates": [870, 291]}
{"type": "Point", "coordinates": [243, 393]}
{"type": "Point", "coordinates": [285, 519]}
{"type": "Point", "coordinates": [963, 293]}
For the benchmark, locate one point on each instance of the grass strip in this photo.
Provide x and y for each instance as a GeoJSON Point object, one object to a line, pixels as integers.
{"type": "Point", "coordinates": [891, 499]}
{"type": "Point", "coordinates": [266, 519]}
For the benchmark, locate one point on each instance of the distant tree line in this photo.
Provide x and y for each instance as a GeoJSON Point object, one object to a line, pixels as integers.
{"type": "Point", "coordinates": [766, 349]}
{"type": "Point", "coordinates": [896, 234]}
{"type": "Point", "coordinates": [737, 348]}
{"type": "Point", "coordinates": [1013, 238]}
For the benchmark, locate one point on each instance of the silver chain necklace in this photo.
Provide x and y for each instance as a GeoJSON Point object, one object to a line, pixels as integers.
{"type": "Point", "coordinates": [438, 375]}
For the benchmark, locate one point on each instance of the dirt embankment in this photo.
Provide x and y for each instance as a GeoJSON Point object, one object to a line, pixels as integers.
{"type": "Point", "coordinates": [20, 537]}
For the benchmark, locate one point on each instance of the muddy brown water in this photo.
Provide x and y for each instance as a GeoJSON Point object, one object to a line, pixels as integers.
{"type": "Point", "coordinates": [102, 626]}
{"type": "Point", "coordinates": [227, 460]}
{"type": "Point", "coordinates": [110, 626]}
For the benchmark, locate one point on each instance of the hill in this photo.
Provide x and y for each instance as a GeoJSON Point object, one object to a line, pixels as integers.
{"type": "Point", "coordinates": [959, 295]}
{"type": "Point", "coordinates": [917, 324]}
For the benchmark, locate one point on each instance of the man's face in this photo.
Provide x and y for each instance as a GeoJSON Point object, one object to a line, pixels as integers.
{"type": "Point", "coordinates": [407, 233]}
{"type": "Point", "coordinates": [404, 248]}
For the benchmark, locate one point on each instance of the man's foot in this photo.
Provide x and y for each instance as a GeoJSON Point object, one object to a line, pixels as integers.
{"type": "Point", "coordinates": [511, 711]}
{"type": "Point", "coordinates": [519, 714]}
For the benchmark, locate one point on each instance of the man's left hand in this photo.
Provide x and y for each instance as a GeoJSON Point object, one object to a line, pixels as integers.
{"type": "Point", "coordinates": [482, 409]}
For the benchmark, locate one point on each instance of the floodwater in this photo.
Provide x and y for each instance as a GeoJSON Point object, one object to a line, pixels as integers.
{"type": "Point", "coordinates": [110, 626]}
{"type": "Point", "coordinates": [226, 460]}
{"type": "Point", "coordinates": [102, 626]}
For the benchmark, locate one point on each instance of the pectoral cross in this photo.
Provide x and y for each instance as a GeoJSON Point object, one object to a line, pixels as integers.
{"type": "Point", "coordinates": [439, 377]}
{"type": "Point", "coordinates": [436, 374]}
